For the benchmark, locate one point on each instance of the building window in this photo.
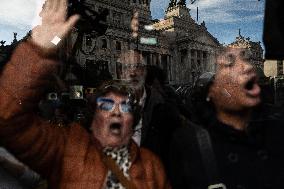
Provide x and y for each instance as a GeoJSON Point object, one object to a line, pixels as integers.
{"type": "Point", "coordinates": [183, 56]}
{"type": "Point", "coordinates": [104, 11]}
{"type": "Point", "coordinates": [164, 61]}
{"type": "Point", "coordinates": [117, 17]}
{"type": "Point", "coordinates": [118, 45]}
{"type": "Point", "coordinates": [198, 63]}
{"type": "Point", "coordinates": [198, 54]}
{"type": "Point", "coordinates": [204, 55]}
{"type": "Point", "coordinates": [192, 52]}
{"type": "Point", "coordinates": [119, 70]}
{"type": "Point", "coordinates": [104, 43]}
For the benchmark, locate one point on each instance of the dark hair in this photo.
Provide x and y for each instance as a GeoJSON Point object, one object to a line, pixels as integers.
{"type": "Point", "coordinates": [202, 111]}
{"type": "Point", "coordinates": [154, 72]}
{"type": "Point", "coordinates": [117, 87]}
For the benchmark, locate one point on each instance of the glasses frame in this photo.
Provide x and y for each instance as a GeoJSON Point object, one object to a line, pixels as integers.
{"type": "Point", "coordinates": [102, 100]}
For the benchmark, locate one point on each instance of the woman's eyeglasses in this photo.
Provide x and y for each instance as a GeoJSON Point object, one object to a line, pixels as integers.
{"type": "Point", "coordinates": [108, 104]}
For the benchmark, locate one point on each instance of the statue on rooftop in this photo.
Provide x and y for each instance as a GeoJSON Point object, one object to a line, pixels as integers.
{"type": "Point", "coordinates": [182, 2]}
{"type": "Point", "coordinates": [2, 43]}
{"type": "Point", "coordinates": [172, 3]}
{"type": "Point", "coordinates": [15, 38]}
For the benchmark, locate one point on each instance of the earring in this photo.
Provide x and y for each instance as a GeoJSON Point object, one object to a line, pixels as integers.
{"type": "Point", "coordinates": [208, 99]}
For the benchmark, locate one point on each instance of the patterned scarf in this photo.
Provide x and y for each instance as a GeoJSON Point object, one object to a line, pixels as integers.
{"type": "Point", "coordinates": [122, 158]}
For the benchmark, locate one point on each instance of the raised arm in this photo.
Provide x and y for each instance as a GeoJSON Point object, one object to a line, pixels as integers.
{"type": "Point", "coordinates": [23, 81]}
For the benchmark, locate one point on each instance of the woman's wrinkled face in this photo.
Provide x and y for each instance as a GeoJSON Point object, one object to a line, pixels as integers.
{"type": "Point", "coordinates": [113, 120]}
{"type": "Point", "coordinates": [235, 85]}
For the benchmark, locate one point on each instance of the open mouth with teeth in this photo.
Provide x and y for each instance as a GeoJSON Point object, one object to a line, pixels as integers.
{"type": "Point", "coordinates": [252, 88]}
{"type": "Point", "coordinates": [250, 84]}
{"type": "Point", "coordinates": [115, 128]}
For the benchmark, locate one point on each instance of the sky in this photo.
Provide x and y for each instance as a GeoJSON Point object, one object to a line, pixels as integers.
{"type": "Point", "coordinates": [17, 16]}
{"type": "Point", "coordinates": [223, 18]}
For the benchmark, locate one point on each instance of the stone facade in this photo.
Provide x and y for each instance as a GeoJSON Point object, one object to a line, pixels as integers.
{"type": "Point", "coordinates": [193, 49]}
{"type": "Point", "coordinates": [102, 52]}
{"type": "Point", "coordinates": [273, 68]}
{"type": "Point", "coordinates": [184, 49]}
{"type": "Point", "coordinates": [254, 47]}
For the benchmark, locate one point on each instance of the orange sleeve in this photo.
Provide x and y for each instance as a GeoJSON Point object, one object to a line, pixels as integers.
{"type": "Point", "coordinates": [23, 81]}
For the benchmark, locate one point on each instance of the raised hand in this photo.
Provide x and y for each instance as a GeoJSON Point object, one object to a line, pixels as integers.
{"type": "Point", "coordinates": [54, 25]}
{"type": "Point", "coordinates": [134, 24]}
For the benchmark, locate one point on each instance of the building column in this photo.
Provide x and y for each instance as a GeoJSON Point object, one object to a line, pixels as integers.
{"type": "Point", "coordinates": [151, 58]}
{"type": "Point", "coordinates": [168, 68]}
{"type": "Point", "coordinates": [172, 69]}
{"type": "Point", "coordinates": [203, 66]}
{"type": "Point", "coordinates": [189, 66]}
{"type": "Point", "coordinates": [159, 58]}
{"type": "Point", "coordinates": [194, 66]}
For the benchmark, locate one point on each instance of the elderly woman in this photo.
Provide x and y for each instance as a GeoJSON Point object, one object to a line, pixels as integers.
{"type": "Point", "coordinates": [227, 146]}
{"type": "Point", "coordinates": [71, 158]}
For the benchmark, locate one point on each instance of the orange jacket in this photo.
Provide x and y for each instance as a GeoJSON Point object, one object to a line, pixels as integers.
{"type": "Point", "coordinates": [67, 157]}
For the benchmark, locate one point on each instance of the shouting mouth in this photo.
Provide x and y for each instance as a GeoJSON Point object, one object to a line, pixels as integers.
{"type": "Point", "coordinates": [251, 87]}
{"type": "Point", "coordinates": [115, 128]}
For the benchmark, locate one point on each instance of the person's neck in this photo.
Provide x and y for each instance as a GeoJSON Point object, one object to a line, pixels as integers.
{"type": "Point", "coordinates": [238, 120]}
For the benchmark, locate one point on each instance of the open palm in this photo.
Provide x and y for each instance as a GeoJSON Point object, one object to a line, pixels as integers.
{"type": "Point", "coordinates": [54, 23]}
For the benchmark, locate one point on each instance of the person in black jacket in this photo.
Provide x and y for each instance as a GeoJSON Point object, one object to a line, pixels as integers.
{"type": "Point", "coordinates": [230, 145]}
{"type": "Point", "coordinates": [159, 109]}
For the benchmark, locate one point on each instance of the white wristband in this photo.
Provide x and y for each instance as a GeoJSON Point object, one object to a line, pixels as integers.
{"type": "Point", "coordinates": [55, 40]}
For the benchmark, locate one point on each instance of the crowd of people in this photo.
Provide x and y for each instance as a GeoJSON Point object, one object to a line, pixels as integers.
{"type": "Point", "coordinates": [139, 133]}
